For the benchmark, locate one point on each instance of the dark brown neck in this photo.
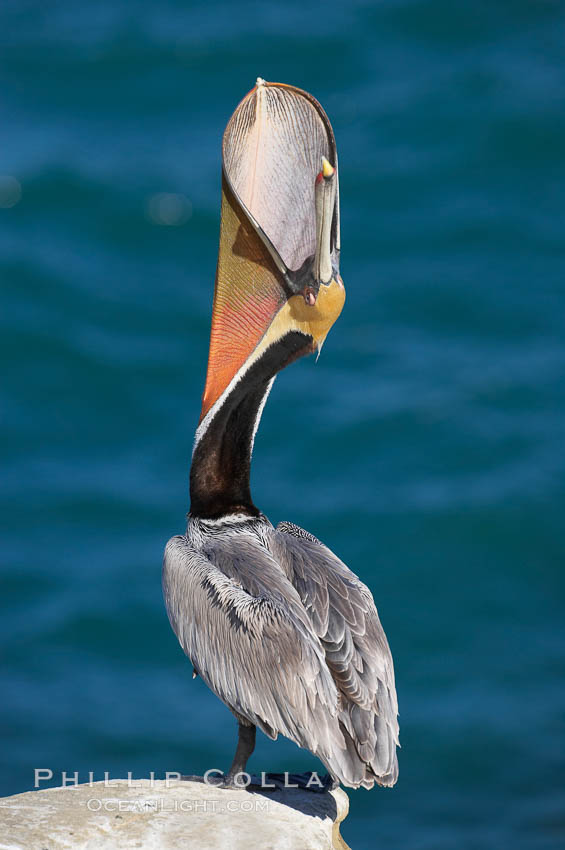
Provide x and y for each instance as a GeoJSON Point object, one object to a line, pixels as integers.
{"type": "Point", "coordinates": [221, 463]}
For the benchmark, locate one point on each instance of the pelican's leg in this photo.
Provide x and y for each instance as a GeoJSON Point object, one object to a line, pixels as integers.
{"type": "Point", "coordinates": [245, 746]}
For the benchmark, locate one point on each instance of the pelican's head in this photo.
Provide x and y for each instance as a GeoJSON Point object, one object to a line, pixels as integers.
{"type": "Point", "coordinates": [278, 288]}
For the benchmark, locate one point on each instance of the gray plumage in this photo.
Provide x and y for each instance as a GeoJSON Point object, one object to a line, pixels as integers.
{"type": "Point", "coordinates": [288, 638]}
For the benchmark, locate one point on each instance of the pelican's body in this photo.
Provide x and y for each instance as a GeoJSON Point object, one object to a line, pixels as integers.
{"type": "Point", "coordinates": [275, 624]}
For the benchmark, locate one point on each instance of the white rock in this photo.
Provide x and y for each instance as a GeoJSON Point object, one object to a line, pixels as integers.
{"type": "Point", "coordinates": [173, 815]}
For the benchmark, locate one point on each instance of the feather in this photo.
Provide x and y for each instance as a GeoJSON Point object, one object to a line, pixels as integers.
{"type": "Point", "coordinates": [245, 603]}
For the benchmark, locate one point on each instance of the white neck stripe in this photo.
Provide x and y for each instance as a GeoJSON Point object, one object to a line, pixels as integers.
{"type": "Point", "coordinates": [218, 404]}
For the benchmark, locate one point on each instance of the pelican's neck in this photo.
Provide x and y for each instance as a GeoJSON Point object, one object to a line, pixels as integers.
{"type": "Point", "coordinates": [221, 462]}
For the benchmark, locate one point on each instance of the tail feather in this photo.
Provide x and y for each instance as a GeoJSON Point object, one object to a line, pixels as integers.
{"type": "Point", "coordinates": [370, 755]}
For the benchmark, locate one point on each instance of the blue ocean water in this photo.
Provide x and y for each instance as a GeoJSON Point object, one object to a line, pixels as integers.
{"type": "Point", "coordinates": [425, 447]}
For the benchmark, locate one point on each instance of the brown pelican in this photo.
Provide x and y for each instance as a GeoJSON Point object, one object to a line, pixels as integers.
{"type": "Point", "coordinates": [274, 623]}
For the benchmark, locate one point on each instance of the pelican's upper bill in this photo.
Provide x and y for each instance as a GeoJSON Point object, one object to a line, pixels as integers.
{"type": "Point", "coordinates": [278, 260]}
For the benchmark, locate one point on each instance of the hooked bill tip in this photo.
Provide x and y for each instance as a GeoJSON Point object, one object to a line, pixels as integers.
{"type": "Point", "coordinates": [327, 169]}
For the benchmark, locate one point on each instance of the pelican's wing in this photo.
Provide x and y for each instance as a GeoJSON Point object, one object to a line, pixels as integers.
{"type": "Point", "coordinates": [243, 626]}
{"type": "Point", "coordinates": [344, 617]}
